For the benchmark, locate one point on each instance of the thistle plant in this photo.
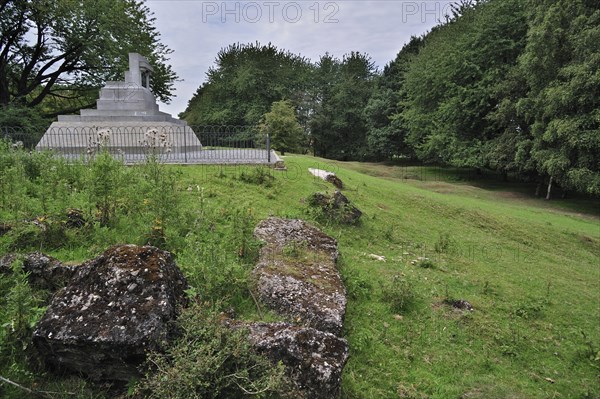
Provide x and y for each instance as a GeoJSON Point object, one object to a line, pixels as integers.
{"type": "Point", "coordinates": [98, 142]}
{"type": "Point", "coordinates": [156, 143]}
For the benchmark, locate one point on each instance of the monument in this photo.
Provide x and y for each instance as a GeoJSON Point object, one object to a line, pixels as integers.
{"type": "Point", "coordinates": [126, 120]}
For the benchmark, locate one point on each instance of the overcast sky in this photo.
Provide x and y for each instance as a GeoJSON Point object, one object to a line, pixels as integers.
{"type": "Point", "coordinates": [196, 30]}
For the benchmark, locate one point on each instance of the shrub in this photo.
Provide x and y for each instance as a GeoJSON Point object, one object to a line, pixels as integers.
{"type": "Point", "coordinates": [358, 285]}
{"type": "Point", "coordinates": [425, 263]}
{"type": "Point", "coordinates": [217, 253]}
{"type": "Point", "coordinates": [399, 293]}
{"type": "Point", "coordinates": [211, 360]}
{"type": "Point", "coordinates": [443, 243]}
{"type": "Point", "coordinates": [530, 309]}
{"type": "Point", "coordinates": [212, 273]}
{"type": "Point", "coordinates": [243, 226]}
{"type": "Point", "coordinates": [156, 197]}
{"type": "Point", "coordinates": [106, 177]}
{"type": "Point", "coordinates": [20, 308]}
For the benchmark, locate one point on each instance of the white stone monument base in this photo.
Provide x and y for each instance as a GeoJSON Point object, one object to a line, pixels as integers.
{"type": "Point", "coordinates": [140, 137]}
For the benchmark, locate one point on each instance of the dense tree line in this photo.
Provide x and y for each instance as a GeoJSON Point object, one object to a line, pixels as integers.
{"type": "Point", "coordinates": [328, 96]}
{"type": "Point", "coordinates": [511, 86]}
{"type": "Point", "coordinates": [506, 85]}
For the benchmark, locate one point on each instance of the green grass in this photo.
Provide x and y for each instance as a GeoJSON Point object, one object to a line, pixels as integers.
{"type": "Point", "coordinates": [530, 268]}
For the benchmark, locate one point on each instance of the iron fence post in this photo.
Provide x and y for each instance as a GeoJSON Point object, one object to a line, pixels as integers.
{"type": "Point", "coordinates": [185, 144]}
{"type": "Point", "coordinates": [268, 147]}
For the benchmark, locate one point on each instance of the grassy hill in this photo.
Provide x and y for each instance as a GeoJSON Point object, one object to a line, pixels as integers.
{"type": "Point", "coordinates": [529, 268]}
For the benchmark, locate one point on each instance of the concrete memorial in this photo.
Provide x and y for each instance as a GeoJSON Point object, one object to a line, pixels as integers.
{"type": "Point", "coordinates": [126, 120]}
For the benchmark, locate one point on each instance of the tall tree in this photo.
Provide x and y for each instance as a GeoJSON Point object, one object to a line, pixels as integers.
{"type": "Point", "coordinates": [452, 84]}
{"type": "Point", "coordinates": [338, 127]}
{"type": "Point", "coordinates": [326, 76]}
{"type": "Point", "coordinates": [66, 49]}
{"type": "Point", "coordinates": [245, 80]}
{"type": "Point", "coordinates": [561, 64]}
{"type": "Point", "coordinates": [386, 133]}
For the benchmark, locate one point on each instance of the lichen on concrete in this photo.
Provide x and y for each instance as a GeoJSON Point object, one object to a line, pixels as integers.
{"type": "Point", "coordinates": [114, 309]}
{"type": "Point", "coordinates": [314, 359]}
{"type": "Point", "coordinates": [303, 284]}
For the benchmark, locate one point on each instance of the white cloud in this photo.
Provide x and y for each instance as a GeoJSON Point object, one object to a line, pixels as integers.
{"type": "Point", "coordinates": [197, 30]}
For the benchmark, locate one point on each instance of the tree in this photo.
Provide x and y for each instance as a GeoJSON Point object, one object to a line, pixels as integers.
{"type": "Point", "coordinates": [453, 84]}
{"type": "Point", "coordinates": [326, 76]}
{"type": "Point", "coordinates": [281, 123]}
{"type": "Point", "coordinates": [245, 80]}
{"type": "Point", "coordinates": [386, 132]}
{"type": "Point", "coordinates": [22, 124]}
{"type": "Point", "coordinates": [338, 126]}
{"type": "Point", "coordinates": [66, 49]}
{"type": "Point", "coordinates": [561, 65]}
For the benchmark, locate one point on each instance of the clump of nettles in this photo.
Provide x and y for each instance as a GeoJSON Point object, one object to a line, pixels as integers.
{"type": "Point", "coordinates": [423, 262]}
{"type": "Point", "coordinates": [211, 360]}
{"type": "Point", "coordinates": [20, 309]}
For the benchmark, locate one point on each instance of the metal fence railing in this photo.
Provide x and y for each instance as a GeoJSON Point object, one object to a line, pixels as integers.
{"type": "Point", "coordinates": [135, 142]}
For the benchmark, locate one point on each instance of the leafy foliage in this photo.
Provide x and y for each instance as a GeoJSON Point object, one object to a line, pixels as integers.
{"type": "Point", "coordinates": [399, 293]}
{"type": "Point", "coordinates": [281, 123]}
{"type": "Point", "coordinates": [19, 311]}
{"type": "Point", "coordinates": [386, 135]}
{"type": "Point", "coordinates": [561, 65]}
{"type": "Point", "coordinates": [338, 126]}
{"type": "Point", "coordinates": [506, 85]}
{"type": "Point", "coordinates": [65, 50]}
{"type": "Point", "coordinates": [450, 83]}
{"type": "Point", "coordinates": [210, 360]}
{"type": "Point", "coordinates": [245, 81]}
{"type": "Point", "coordinates": [22, 124]}
{"type": "Point", "coordinates": [107, 178]}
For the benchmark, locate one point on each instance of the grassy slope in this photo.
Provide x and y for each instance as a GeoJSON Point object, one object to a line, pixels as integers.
{"type": "Point", "coordinates": [530, 269]}
{"type": "Point", "coordinates": [531, 272]}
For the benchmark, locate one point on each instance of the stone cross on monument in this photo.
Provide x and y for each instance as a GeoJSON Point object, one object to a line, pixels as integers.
{"type": "Point", "coordinates": [139, 71]}
{"type": "Point", "coordinates": [122, 101]}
